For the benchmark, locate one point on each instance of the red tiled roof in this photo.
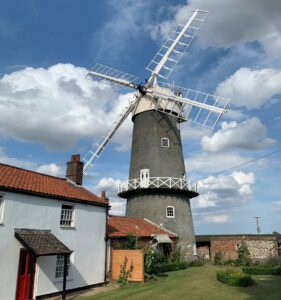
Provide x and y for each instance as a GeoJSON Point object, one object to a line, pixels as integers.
{"type": "Point", "coordinates": [118, 226]}
{"type": "Point", "coordinates": [26, 181]}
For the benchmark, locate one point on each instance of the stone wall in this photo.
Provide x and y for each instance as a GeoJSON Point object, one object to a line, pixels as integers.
{"type": "Point", "coordinates": [260, 250]}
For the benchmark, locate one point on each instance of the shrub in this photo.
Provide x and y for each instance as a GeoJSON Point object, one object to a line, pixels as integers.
{"type": "Point", "coordinates": [168, 267]}
{"type": "Point", "coordinates": [151, 259]}
{"type": "Point", "coordinates": [262, 270]}
{"type": "Point", "coordinates": [197, 263]}
{"type": "Point", "coordinates": [124, 273]}
{"type": "Point", "coordinates": [131, 242]}
{"type": "Point", "coordinates": [273, 261]}
{"type": "Point", "coordinates": [243, 255]}
{"type": "Point", "coordinates": [218, 258]}
{"type": "Point", "coordinates": [234, 277]}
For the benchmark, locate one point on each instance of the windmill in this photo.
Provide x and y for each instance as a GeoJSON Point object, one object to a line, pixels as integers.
{"type": "Point", "coordinates": [157, 187]}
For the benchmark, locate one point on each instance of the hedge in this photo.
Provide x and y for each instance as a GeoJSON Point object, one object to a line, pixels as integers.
{"type": "Point", "coordinates": [168, 267]}
{"type": "Point", "coordinates": [262, 270]}
{"type": "Point", "coordinates": [234, 277]}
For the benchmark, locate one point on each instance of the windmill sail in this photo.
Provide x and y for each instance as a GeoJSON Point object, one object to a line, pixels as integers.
{"type": "Point", "coordinates": [101, 72]}
{"type": "Point", "coordinates": [94, 154]}
{"type": "Point", "coordinates": [198, 107]}
{"type": "Point", "coordinates": [166, 59]}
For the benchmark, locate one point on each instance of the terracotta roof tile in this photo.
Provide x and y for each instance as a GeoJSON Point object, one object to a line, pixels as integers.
{"type": "Point", "coordinates": [21, 180]}
{"type": "Point", "coordinates": [118, 226]}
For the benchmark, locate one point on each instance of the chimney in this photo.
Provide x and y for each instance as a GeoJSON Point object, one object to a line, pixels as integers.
{"type": "Point", "coordinates": [74, 169]}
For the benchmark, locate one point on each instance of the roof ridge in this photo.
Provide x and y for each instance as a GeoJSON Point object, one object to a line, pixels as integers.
{"type": "Point", "coordinates": [31, 171]}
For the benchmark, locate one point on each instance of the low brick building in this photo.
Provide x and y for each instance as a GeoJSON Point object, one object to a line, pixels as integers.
{"type": "Point", "coordinates": [260, 246]}
{"type": "Point", "coordinates": [147, 232]}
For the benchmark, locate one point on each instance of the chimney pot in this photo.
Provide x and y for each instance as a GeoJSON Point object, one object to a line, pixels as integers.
{"type": "Point", "coordinates": [74, 169]}
{"type": "Point", "coordinates": [103, 194]}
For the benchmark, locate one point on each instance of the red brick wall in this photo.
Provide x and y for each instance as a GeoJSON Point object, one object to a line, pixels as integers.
{"type": "Point", "coordinates": [226, 246]}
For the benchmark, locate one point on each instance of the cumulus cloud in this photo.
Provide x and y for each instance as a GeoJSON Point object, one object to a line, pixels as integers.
{"type": "Point", "coordinates": [212, 162]}
{"type": "Point", "coordinates": [51, 169]}
{"type": "Point", "coordinates": [232, 22]}
{"type": "Point", "coordinates": [58, 106]}
{"type": "Point", "coordinates": [219, 219]}
{"type": "Point", "coordinates": [247, 135]}
{"type": "Point", "coordinates": [220, 193]}
{"type": "Point", "coordinates": [251, 88]}
{"type": "Point", "coordinates": [110, 185]}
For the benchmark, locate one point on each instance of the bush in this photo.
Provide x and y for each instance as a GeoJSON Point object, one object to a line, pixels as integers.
{"type": "Point", "coordinates": [243, 255]}
{"type": "Point", "coordinates": [234, 277]}
{"type": "Point", "coordinates": [262, 270]}
{"type": "Point", "coordinates": [218, 258]}
{"type": "Point", "coordinates": [197, 263]}
{"type": "Point", "coordinates": [151, 259]}
{"type": "Point", "coordinates": [169, 267]}
{"type": "Point", "coordinates": [125, 273]}
{"type": "Point", "coordinates": [273, 261]}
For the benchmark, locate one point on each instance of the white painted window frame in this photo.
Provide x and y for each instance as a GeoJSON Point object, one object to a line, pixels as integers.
{"type": "Point", "coordinates": [72, 224]}
{"type": "Point", "coordinates": [194, 249]}
{"type": "Point", "coordinates": [174, 215]}
{"type": "Point", "coordinates": [165, 139]}
{"type": "Point", "coordinates": [70, 264]}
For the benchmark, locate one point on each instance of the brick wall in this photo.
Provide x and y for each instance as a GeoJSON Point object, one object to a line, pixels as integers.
{"type": "Point", "coordinates": [260, 248]}
{"type": "Point", "coordinates": [226, 246]}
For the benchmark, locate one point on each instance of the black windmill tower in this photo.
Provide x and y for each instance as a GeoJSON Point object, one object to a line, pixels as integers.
{"type": "Point", "coordinates": [158, 188]}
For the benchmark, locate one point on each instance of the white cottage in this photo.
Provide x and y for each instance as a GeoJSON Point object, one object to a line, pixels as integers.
{"type": "Point", "coordinates": [52, 233]}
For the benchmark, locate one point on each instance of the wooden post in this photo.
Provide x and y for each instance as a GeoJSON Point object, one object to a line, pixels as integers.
{"type": "Point", "coordinates": [64, 277]}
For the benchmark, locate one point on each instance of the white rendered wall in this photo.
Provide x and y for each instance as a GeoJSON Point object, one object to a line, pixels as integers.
{"type": "Point", "coordinates": [86, 240]}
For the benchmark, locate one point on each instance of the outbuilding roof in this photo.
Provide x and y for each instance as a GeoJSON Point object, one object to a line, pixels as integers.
{"type": "Point", "coordinates": [120, 226]}
{"type": "Point", "coordinates": [29, 182]}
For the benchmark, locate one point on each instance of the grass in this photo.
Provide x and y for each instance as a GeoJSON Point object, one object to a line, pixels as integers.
{"type": "Point", "coordinates": [195, 283]}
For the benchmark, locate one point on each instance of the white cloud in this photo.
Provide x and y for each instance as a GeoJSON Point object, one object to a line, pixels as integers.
{"type": "Point", "coordinates": [248, 135]}
{"type": "Point", "coordinates": [231, 23]}
{"type": "Point", "coordinates": [219, 219]}
{"type": "Point", "coordinates": [212, 162]}
{"type": "Point", "coordinates": [109, 184]}
{"type": "Point", "coordinates": [51, 169]}
{"type": "Point", "coordinates": [58, 106]}
{"type": "Point", "coordinates": [220, 193]}
{"type": "Point", "coordinates": [251, 88]}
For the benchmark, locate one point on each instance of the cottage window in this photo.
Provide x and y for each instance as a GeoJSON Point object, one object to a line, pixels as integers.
{"type": "Point", "coordinates": [165, 142]}
{"type": "Point", "coordinates": [1, 209]}
{"type": "Point", "coordinates": [67, 216]}
{"type": "Point", "coordinates": [60, 266]}
{"type": "Point", "coordinates": [170, 212]}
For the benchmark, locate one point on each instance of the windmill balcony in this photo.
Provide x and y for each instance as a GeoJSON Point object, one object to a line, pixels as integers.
{"type": "Point", "coordinates": [157, 183]}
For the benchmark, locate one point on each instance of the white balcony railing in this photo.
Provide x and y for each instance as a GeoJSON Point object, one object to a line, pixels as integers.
{"type": "Point", "coordinates": [157, 182]}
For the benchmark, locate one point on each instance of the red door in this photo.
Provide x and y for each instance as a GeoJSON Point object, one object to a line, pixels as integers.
{"type": "Point", "coordinates": [25, 276]}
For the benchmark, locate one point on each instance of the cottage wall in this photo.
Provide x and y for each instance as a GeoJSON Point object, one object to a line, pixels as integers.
{"type": "Point", "coordinates": [86, 239]}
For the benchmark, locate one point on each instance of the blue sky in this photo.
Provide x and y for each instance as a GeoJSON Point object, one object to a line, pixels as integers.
{"type": "Point", "coordinates": [49, 110]}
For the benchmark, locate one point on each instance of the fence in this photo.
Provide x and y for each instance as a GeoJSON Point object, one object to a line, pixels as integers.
{"type": "Point", "coordinates": [134, 259]}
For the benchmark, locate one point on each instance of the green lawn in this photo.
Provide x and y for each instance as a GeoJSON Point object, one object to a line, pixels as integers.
{"type": "Point", "coordinates": [195, 283]}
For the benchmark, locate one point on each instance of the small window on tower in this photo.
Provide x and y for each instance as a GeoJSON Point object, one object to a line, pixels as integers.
{"type": "Point", "coordinates": [170, 212]}
{"type": "Point", "coordinates": [165, 143]}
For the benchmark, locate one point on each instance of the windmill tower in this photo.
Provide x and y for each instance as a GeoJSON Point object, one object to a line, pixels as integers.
{"type": "Point", "coordinates": [158, 188]}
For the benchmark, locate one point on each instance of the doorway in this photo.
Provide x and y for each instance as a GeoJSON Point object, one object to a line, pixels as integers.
{"type": "Point", "coordinates": [26, 274]}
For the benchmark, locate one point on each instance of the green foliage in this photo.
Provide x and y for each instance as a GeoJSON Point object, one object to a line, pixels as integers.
{"type": "Point", "coordinates": [262, 270]}
{"type": "Point", "coordinates": [234, 277]}
{"type": "Point", "coordinates": [243, 255]}
{"type": "Point", "coordinates": [175, 255]}
{"type": "Point", "coordinates": [272, 261]}
{"type": "Point", "coordinates": [218, 258]}
{"type": "Point", "coordinates": [169, 267]}
{"type": "Point", "coordinates": [151, 259]}
{"type": "Point", "coordinates": [197, 263]}
{"type": "Point", "coordinates": [131, 242]}
{"type": "Point", "coordinates": [125, 273]}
